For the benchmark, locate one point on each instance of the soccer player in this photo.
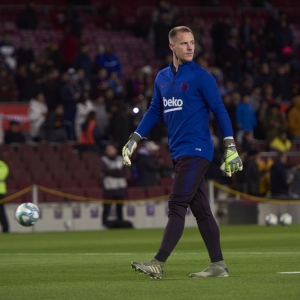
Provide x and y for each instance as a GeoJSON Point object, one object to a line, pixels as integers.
{"type": "Point", "coordinates": [184, 93]}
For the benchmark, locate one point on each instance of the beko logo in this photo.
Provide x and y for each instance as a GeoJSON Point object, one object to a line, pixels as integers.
{"type": "Point", "coordinates": [174, 104]}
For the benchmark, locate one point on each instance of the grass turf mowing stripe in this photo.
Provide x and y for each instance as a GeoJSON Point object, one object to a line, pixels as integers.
{"type": "Point", "coordinates": [96, 265]}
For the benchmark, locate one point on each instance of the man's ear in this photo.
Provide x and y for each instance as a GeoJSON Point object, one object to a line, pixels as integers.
{"type": "Point", "coordinates": [171, 46]}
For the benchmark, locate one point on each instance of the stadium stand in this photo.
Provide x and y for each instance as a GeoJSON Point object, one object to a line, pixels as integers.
{"type": "Point", "coordinates": [61, 166]}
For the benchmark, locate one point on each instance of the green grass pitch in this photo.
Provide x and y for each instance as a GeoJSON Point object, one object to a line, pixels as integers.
{"type": "Point", "coordinates": [96, 265]}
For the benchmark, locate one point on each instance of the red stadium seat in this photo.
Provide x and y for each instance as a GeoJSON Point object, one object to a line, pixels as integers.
{"type": "Point", "coordinates": [135, 193]}
{"type": "Point", "coordinates": [156, 191]}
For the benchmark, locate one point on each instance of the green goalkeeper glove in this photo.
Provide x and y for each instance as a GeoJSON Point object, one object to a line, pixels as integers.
{"type": "Point", "coordinates": [130, 147]}
{"type": "Point", "coordinates": [232, 162]}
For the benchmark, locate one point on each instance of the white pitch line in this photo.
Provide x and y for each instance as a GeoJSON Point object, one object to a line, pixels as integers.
{"type": "Point", "coordinates": [142, 253]}
{"type": "Point", "coordinates": [296, 272]}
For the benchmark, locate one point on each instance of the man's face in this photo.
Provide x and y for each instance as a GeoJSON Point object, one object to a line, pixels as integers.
{"type": "Point", "coordinates": [183, 46]}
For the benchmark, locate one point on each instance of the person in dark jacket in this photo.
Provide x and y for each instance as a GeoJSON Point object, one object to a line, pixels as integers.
{"type": "Point", "coordinates": [28, 18]}
{"type": "Point", "coordinates": [148, 168]}
{"type": "Point", "coordinates": [83, 61]}
{"type": "Point", "coordinates": [13, 134]}
{"type": "Point", "coordinates": [114, 182]}
{"type": "Point", "coordinates": [280, 178]}
{"type": "Point", "coordinates": [53, 129]}
{"type": "Point", "coordinates": [70, 93]}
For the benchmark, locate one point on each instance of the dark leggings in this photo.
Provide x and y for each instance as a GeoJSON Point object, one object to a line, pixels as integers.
{"type": "Point", "coordinates": [189, 189]}
{"type": "Point", "coordinates": [106, 210]}
{"type": "Point", "coordinates": [3, 219]}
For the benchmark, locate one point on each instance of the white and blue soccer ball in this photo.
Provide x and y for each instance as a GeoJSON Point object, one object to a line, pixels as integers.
{"type": "Point", "coordinates": [286, 219]}
{"type": "Point", "coordinates": [27, 214]}
{"type": "Point", "coordinates": [271, 220]}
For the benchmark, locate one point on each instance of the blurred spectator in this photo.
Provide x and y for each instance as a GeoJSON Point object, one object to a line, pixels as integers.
{"type": "Point", "coordinates": [52, 54]}
{"type": "Point", "coordinates": [220, 32]}
{"type": "Point", "coordinates": [100, 83]}
{"type": "Point", "coordinates": [7, 86]}
{"type": "Point", "coordinates": [259, 131]}
{"type": "Point", "coordinates": [281, 143]}
{"type": "Point", "coordinates": [7, 50]}
{"type": "Point", "coordinates": [252, 172]}
{"type": "Point", "coordinates": [164, 17]}
{"type": "Point", "coordinates": [24, 53]}
{"type": "Point", "coordinates": [84, 83]}
{"type": "Point", "coordinates": [274, 122]}
{"type": "Point", "coordinates": [13, 134]}
{"type": "Point", "coordinates": [69, 48]}
{"type": "Point", "coordinates": [280, 177]}
{"type": "Point", "coordinates": [36, 77]}
{"type": "Point", "coordinates": [255, 98]}
{"type": "Point", "coordinates": [24, 84]}
{"type": "Point", "coordinates": [247, 142]}
{"type": "Point", "coordinates": [118, 119]}
{"type": "Point", "coordinates": [53, 129]}
{"type": "Point", "coordinates": [70, 93]}
{"type": "Point", "coordinates": [83, 61]}
{"type": "Point", "coordinates": [268, 94]}
{"type": "Point", "coordinates": [148, 167]}
{"type": "Point", "coordinates": [283, 35]}
{"type": "Point", "coordinates": [83, 108]}
{"type": "Point", "coordinates": [101, 115]}
{"type": "Point", "coordinates": [115, 82]}
{"type": "Point", "coordinates": [135, 85]}
{"type": "Point", "coordinates": [109, 16]}
{"type": "Point", "coordinates": [230, 58]}
{"type": "Point", "coordinates": [90, 136]}
{"type": "Point", "coordinates": [264, 77]}
{"type": "Point", "coordinates": [245, 118]}
{"type": "Point", "coordinates": [231, 109]}
{"type": "Point", "coordinates": [198, 29]}
{"type": "Point", "coordinates": [109, 60]}
{"type": "Point", "coordinates": [114, 182]}
{"type": "Point", "coordinates": [4, 171]}
{"type": "Point", "coordinates": [282, 82]}
{"type": "Point", "coordinates": [28, 18]}
{"type": "Point", "coordinates": [293, 119]}
{"type": "Point", "coordinates": [245, 31]}
{"type": "Point", "coordinates": [73, 19]}
{"type": "Point", "coordinates": [110, 98]}
{"type": "Point", "coordinates": [51, 88]}
{"type": "Point", "coordinates": [37, 113]}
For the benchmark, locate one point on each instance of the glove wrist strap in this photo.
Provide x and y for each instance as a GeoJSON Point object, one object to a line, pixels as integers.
{"type": "Point", "coordinates": [135, 137]}
{"type": "Point", "coordinates": [228, 143]}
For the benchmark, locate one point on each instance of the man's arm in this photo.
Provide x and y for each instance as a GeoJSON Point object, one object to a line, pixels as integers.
{"type": "Point", "coordinates": [210, 92]}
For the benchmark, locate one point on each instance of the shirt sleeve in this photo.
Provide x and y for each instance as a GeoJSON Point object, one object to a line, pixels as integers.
{"type": "Point", "coordinates": [153, 114]}
{"type": "Point", "coordinates": [210, 92]}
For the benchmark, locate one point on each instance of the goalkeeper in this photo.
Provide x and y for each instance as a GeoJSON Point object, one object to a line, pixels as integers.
{"type": "Point", "coordinates": [184, 94]}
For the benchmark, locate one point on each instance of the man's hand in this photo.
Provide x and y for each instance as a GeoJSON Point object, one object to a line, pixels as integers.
{"type": "Point", "coordinates": [232, 162]}
{"type": "Point", "coordinates": [130, 147]}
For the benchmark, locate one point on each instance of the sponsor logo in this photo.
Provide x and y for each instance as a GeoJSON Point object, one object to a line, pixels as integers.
{"type": "Point", "coordinates": [162, 86]}
{"type": "Point", "coordinates": [198, 149]}
{"type": "Point", "coordinates": [172, 104]}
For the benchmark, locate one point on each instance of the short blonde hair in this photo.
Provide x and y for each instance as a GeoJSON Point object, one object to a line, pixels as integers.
{"type": "Point", "coordinates": [173, 32]}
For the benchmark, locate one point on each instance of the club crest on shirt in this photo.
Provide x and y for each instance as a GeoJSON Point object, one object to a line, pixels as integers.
{"type": "Point", "coordinates": [184, 86]}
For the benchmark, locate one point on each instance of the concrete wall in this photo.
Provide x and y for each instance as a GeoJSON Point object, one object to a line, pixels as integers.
{"type": "Point", "coordinates": [145, 215]}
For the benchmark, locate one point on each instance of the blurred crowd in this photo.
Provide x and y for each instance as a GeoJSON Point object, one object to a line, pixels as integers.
{"type": "Point", "coordinates": [73, 97]}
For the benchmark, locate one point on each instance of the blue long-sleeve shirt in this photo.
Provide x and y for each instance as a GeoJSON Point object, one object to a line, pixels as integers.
{"type": "Point", "coordinates": [245, 116]}
{"type": "Point", "coordinates": [184, 100]}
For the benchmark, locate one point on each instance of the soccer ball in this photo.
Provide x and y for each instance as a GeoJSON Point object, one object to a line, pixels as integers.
{"type": "Point", "coordinates": [286, 219]}
{"type": "Point", "coordinates": [271, 220]}
{"type": "Point", "coordinates": [27, 214]}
